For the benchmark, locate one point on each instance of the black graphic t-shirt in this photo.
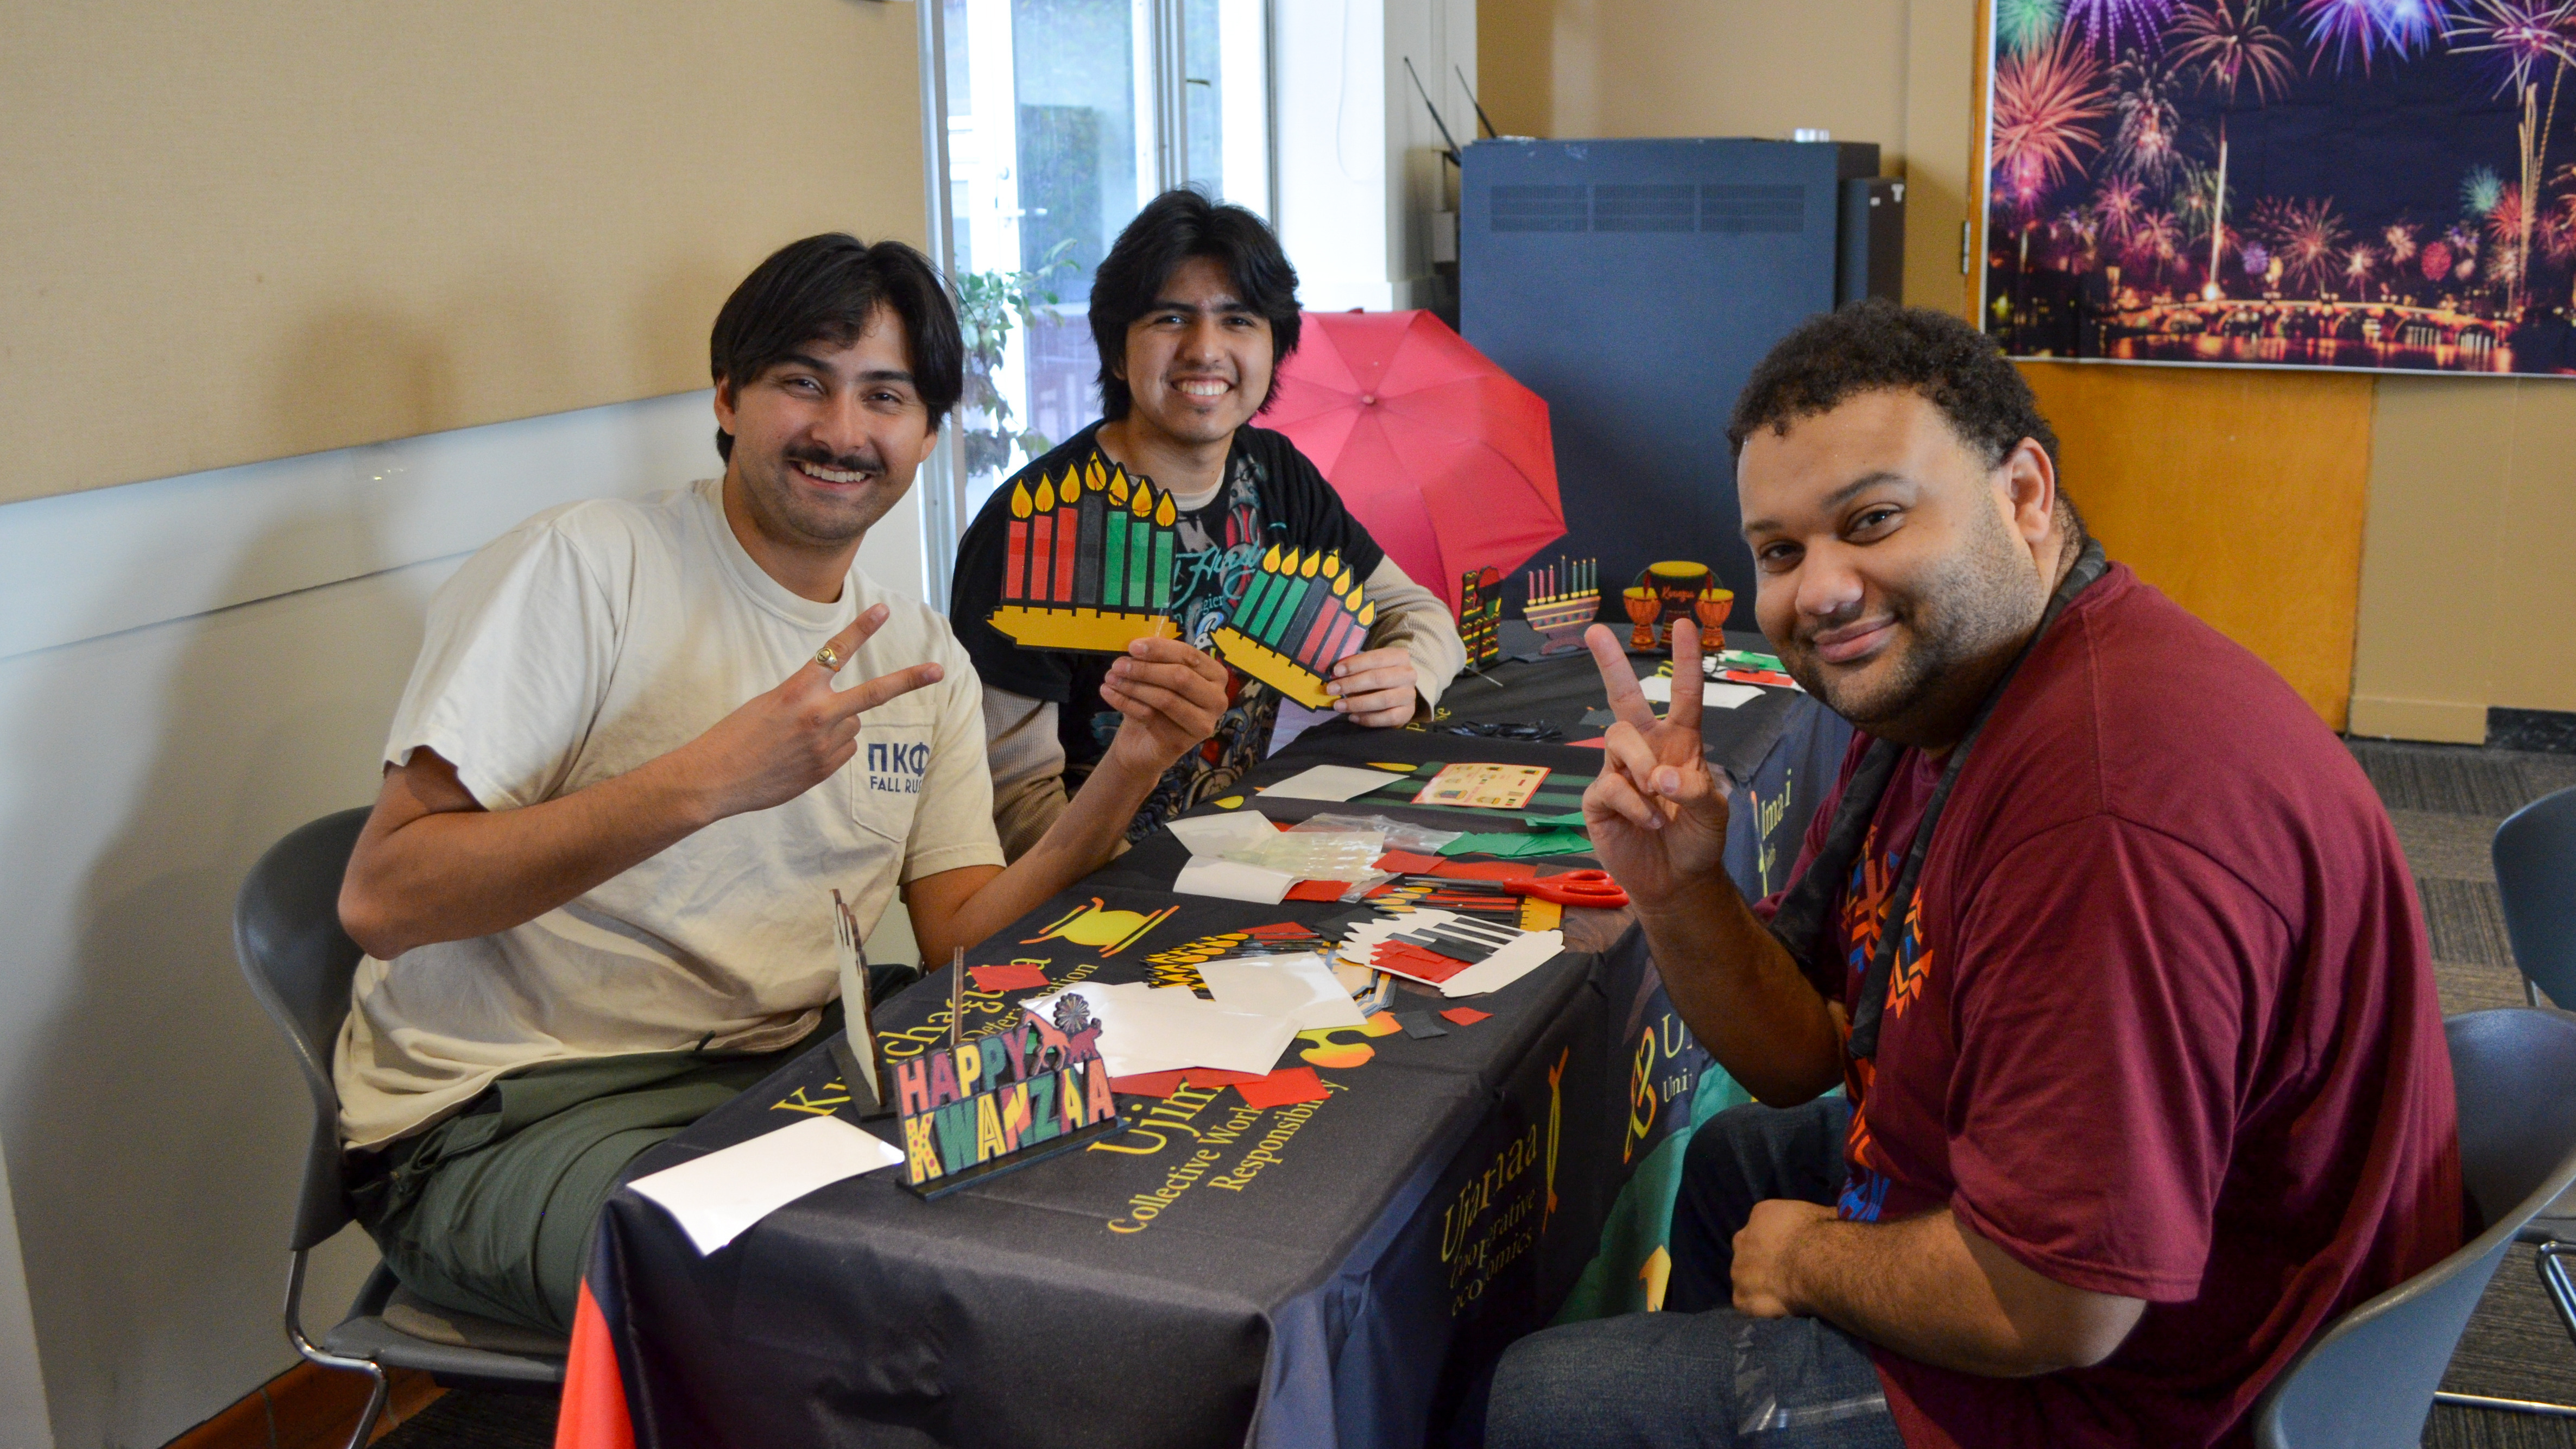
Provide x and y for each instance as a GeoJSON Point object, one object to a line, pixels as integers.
{"type": "Point", "coordinates": [1271, 495]}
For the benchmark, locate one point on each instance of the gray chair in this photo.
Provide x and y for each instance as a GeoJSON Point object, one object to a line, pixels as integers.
{"type": "Point", "coordinates": [2370, 1378]}
{"type": "Point", "coordinates": [286, 929]}
{"type": "Point", "coordinates": [2535, 865]}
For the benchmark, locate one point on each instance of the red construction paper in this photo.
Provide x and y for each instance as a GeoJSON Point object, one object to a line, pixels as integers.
{"type": "Point", "coordinates": [1317, 890]}
{"type": "Point", "coordinates": [1405, 862]}
{"type": "Point", "coordinates": [1465, 1015]}
{"type": "Point", "coordinates": [1148, 1084]}
{"type": "Point", "coordinates": [1487, 869]}
{"type": "Point", "coordinates": [1014, 976]}
{"type": "Point", "coordinates": [1282, 1087]}
{"type": "Point", "coordinates": [1218, 1076]}
{"type": "Point", "coordinates": [1278, 930]}
{"type": "Point", "coordinates": [1397, 959]}
{"type": "Point", "coordinates": [1601, 743]}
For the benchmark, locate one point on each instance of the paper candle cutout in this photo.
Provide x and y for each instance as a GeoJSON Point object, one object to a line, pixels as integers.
{"type": "Point", "coordinates": [1480, 615]}
{"type": "Point", "coordinates": [1301, 615]}
{"type": "Point", "coordinates": [1087, 562]}
{"type": "Point", "coordinates": [1563, 597]}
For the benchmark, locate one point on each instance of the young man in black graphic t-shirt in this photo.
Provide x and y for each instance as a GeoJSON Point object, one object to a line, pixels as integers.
{"type": "Point", "coordinates": [1192, 311]}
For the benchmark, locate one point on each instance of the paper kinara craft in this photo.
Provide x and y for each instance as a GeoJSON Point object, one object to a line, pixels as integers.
{"type": "Point", "coordinates": [1299, 616]}
{"type": "Point", "coordinates": [1087, 562]}
{"type": "Point", "coordinates": [1019, 1096]}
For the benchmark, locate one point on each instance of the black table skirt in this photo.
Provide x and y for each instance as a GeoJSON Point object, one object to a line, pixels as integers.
{"type": "Point", "coordinates": [1329, 1273]}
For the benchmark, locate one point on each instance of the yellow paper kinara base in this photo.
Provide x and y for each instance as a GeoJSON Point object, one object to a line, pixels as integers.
{"type": "Point", "coordinates": [1272, 668]}
{"type": "Point", "coordinates": [1088, 631]}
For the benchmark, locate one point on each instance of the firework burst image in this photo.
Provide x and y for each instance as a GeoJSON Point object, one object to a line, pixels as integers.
{"type": "Point", "coordinates": [2379, 184]}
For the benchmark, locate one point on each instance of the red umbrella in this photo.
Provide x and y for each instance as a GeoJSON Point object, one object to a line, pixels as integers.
{"type": "Point", "coordinates": [1440, 454]}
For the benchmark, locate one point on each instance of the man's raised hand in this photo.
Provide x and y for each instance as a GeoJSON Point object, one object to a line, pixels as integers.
{"type": "Point", "coordinates": [783, 743]}
{"type": "Point", "coordinates": [1656, 813]}
{"type": "Point", "coordinates": [1172, 697]}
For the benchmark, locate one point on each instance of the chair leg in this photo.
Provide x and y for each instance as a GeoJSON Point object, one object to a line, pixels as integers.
{"type": "Point", "coordinates": [375, 1406]}
{"type": "Point", "coordinates": [2550, 1260]}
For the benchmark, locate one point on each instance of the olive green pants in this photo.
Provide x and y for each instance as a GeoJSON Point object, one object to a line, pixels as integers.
{"type": "Point", "coordinates": [490, 1211]}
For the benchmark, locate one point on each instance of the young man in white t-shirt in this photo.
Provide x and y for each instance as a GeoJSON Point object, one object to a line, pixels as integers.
{"type": "Point", "coordinates": [620, 793]}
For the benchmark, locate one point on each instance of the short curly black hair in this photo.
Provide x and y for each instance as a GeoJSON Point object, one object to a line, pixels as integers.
{"type": "Point", "coordinates": [1873, 345]}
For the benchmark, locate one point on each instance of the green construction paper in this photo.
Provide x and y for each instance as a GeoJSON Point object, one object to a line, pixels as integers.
{"type": "Point", "coordinates": [1516, 845]}
{"type": "Point", "coordinates": [1570, 818]}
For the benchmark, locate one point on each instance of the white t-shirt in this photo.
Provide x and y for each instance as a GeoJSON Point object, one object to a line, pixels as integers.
{"type": "Point", "coordinates": [581, 644]}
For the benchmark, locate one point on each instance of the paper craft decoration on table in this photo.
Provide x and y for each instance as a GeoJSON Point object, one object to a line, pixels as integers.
{"type": "Point", "coordinates": [1460, 955]}
{"type": "Point", "coordinates": [1484, 787]}
{"type": "Point", "coordinates": [1087, 563]}
{"type": "Point", "coordinates": [1480, 615]}
{"type": "Point", "coordinates": [1018, 1096]}
{"type": "Point", "coordinates": [1149, 1029]}
{"type": "Point", "coordinates": [1563, 598]}
{"type": "Point", "coordinates": [857, 1052]}
{"type": "Point", "coordinates": [716, 1198]}
{"type": "Point", "coordinates": [1674, 589]}
{"type": "Point", "coordinates": [1301, 615]}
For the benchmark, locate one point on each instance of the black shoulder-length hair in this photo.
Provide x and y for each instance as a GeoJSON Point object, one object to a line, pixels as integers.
{"type": "Point", "coordinates": [824, 287]}
{"type": "Point", "coordinates": [1174, 227]}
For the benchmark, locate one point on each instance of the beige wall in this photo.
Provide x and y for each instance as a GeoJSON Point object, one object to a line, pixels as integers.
{"type": "Point", "coordinates": [240, 231]}
{"type": "Point", "coordinates": [2468, 585]}
{"type": "Point", "coordinates": [2242, 498]}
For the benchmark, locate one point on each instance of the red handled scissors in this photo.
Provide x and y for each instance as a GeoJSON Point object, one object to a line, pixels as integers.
{"type": "Point", "coordinates": [1592, 889]}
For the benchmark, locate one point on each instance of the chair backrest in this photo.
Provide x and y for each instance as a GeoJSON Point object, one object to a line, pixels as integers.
{"type": "Point", "coordinates": [286, 929]}
{"type": "Point", "coordinates": [2368, 1380]}
{"type": "Point", "coordinates": [2535, 863]}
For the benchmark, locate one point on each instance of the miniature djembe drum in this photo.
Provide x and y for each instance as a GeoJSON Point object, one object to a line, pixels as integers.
{"type": "Point", "coordinates": [1644, 606]}
{"type": "Point", "coordinates": [1711, 608]}
{"type": "Point", "coordinates": [1676, 587]}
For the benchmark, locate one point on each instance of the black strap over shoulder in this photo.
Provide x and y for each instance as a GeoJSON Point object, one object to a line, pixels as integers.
{"type": "Point", "coordinates": [1800, 924]}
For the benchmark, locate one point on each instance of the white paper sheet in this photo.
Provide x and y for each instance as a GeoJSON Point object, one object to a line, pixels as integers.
{"type": "Point", "coordinates": [1143, 1029]}
{"type": "Point", "coordinates": [1232, 880]}
{"type": "Point", "coordinates": [719, 1196]}
{"type": "Point", "coordinates": [1213, 835]}
{"type": "Point", "coordinates": [1300, 987]}
{"type": "Point", "coordinates": [1329, 782]}
{"type": "Point", "coordinates": [1715, 694]}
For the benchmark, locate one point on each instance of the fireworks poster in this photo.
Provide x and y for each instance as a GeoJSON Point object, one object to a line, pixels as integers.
{"type": "Point", "coordinates": [2376, 184]}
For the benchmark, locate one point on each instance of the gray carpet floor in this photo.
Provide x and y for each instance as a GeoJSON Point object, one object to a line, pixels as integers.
{"type": "Point", "coordinates": [2446, 801]}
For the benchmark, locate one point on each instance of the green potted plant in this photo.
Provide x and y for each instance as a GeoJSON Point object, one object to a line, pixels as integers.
{"type": "Point", "coordinates": [989, 305]}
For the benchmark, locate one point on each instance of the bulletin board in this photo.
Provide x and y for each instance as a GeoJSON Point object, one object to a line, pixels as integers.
{"type": "Point", "coordinates": [246, 229]}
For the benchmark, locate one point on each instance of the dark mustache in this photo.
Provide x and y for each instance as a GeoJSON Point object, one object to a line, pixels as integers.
{"type": "Point", "coordinates": [868, 461]}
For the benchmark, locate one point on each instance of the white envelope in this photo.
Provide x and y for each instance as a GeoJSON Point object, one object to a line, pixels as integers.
{"type": "Point", "coordinates": [1300, 987]}
{"type": "Point", "coordinates": [1329, 782]}
{"type": "Point", "coordinates": [1214, 835]}
{"type": "Point", "coordinates": [716, 1198]}
{"type": "Point", "coordinates": [1232, 880]}
{"type": "Point", "coordinates": [1147, 1029]}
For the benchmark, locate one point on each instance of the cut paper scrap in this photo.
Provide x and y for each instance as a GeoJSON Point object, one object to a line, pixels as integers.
{"type": "Point", "coordinates": [716, 1198]}
{"type": "Point", "coordinates": [1087, 562]}
{"type": "Point", "coordinates": [1406, 862]}
{"type": "Point", "coordinates": [1483, 787]}
{"type": "Point", "coordinates": [1485, 870]}
{"type": "Point", "coordinates": [1317, 890]}
{"type": "Point", "coordinates": [1144, 1030]}
{"type": "Point", "coordinates": [1327, 782]}
{"type": "Point", "coordinates": [1571, 820]}
{"type": "Point", "coordinates": [1466, 1015]}
{"type": "Point", "coordinates": [1419, 1025]}
{"type": "Point", "coordinates": [1369, 944]}
{"type": "Point", "coordinates": [1658, 689]}
{"type": "Point", "coordinates": [1016, 976]}
{"type": "Point", "coordinates": [1300, 988]}
{"type": "Point", "coordinates": [1300, 615]}
{"type": "Point", "coordinates": [1213, 835]}
{"type": "Point", "coordinates": [1282, 1088]}
{"type": "Point", "coordinates": [1521, 846]}
{"type": "Point", "coordinates": [1232, 880]}
{"type": "Point", "coordinates": [1148, 1084]}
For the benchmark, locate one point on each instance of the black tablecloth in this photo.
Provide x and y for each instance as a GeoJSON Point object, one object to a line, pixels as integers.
{"type": "Point", "coordinates": [1326, 1273]}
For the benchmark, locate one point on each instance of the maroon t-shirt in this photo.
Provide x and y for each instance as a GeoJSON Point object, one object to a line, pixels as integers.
{"type": "Point", "coordinates": [2162, 1025]}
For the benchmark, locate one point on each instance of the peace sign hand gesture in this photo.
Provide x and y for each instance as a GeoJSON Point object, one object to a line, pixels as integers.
{"type": "Point", "coordinates": [1657, 814]}
{"type": "Point", "coordinates": [783, 743]}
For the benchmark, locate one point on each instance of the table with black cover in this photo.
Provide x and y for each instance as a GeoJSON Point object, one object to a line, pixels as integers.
{"type": "Point", "coordinates": [1333, 1272]}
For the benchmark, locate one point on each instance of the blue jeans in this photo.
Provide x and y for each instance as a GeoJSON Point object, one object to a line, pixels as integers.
{"type": "Point", "coordinates": [1712, 1377]}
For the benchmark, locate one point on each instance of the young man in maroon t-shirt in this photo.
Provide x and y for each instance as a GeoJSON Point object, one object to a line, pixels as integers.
{"type": "Point", "coordinates": [2143, 1076]}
